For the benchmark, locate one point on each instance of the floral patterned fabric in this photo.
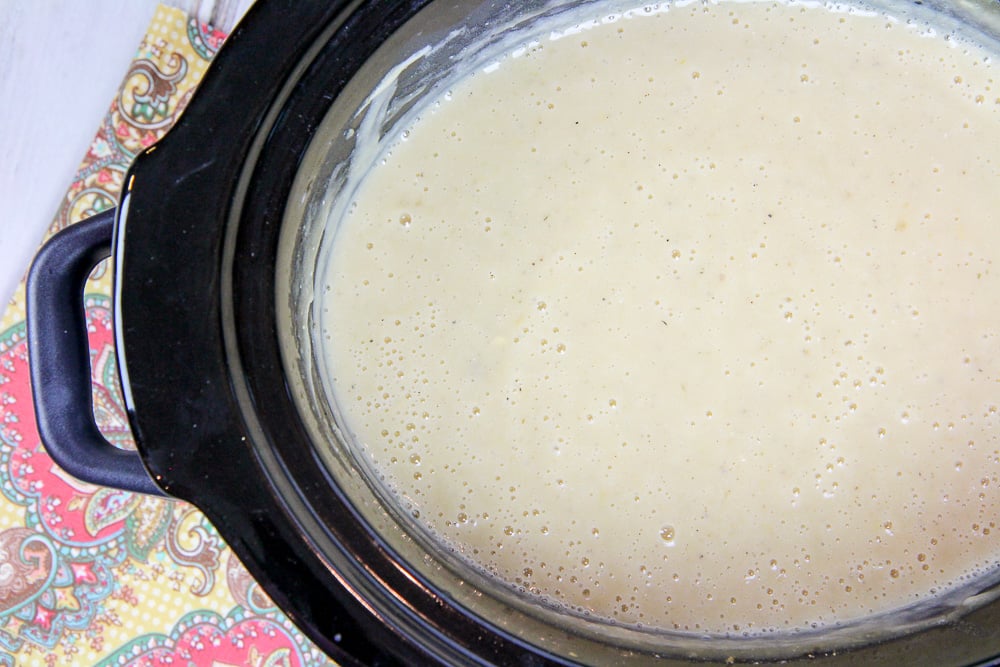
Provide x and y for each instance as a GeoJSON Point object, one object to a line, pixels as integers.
{"type": "Point", "coordinates": [96, 576]}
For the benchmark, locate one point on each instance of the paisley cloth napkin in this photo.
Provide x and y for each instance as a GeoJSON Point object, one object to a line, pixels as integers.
{"type": "Point", "coordinates": [96, 576]}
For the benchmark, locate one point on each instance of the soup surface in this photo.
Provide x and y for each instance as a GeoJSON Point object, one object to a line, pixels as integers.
{"type": "Point", "coordinates": [688, 316]}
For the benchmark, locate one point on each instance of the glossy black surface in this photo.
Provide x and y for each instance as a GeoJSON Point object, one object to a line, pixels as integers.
{"type": "Point", "coordinates": [60, 360]}
{"type": "Point", "coordinates": [181, 402]}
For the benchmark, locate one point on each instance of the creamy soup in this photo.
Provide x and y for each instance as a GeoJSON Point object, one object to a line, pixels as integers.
{"type": "Point", "coordinates": [687, 317]}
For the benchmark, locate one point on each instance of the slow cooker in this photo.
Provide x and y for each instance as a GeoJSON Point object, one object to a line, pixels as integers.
{"type": "Point", "coordinates": [213, 243]}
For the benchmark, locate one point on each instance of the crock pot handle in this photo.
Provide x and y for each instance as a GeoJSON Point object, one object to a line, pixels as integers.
{"type": "Point", "coordinates": [60, 359]}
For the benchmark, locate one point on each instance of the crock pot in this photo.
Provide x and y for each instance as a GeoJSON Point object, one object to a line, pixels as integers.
{"type": "Point", "coordinates": [212, 252]}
